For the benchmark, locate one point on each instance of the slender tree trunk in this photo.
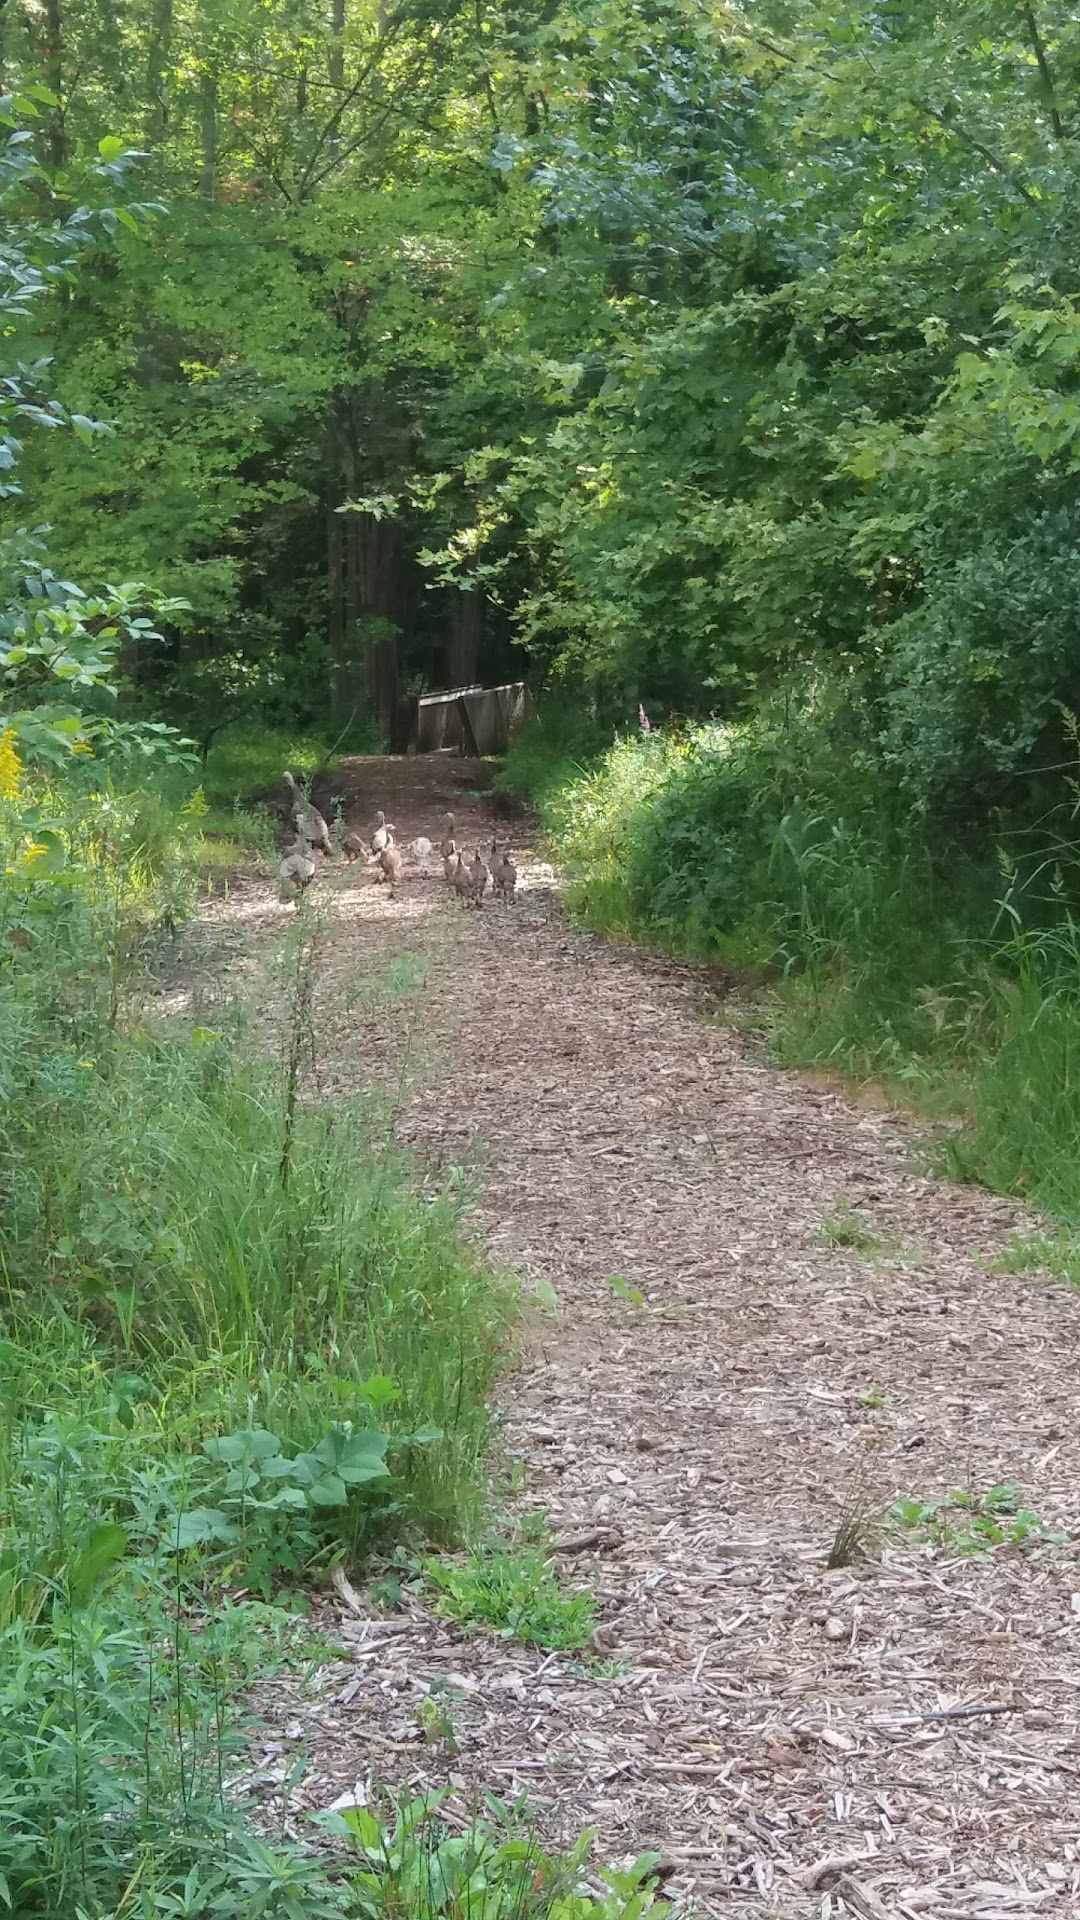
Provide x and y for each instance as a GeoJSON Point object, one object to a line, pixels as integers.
{"type": "Point", "coordinates": [336, 61]}
{"type": "Point", "coordinates": [336, 617]}
{"type": "Point", "coordinates": [382, 579]}
{"type": "Point", "coordinates": [465, 622]}
{"type": "Point", "coordinates": [337, 43]}
{"type": "Point", "coordinates": [53, 74]}
{"type": "Point", "coordinates": [157, 66]}
{"type": "Point", "coordinates": [351, 525]}
{"type": "Point", "coordinates": [208, 128]}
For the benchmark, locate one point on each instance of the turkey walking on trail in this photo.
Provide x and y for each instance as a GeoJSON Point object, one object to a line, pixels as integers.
{"type": "Point", "coordinates": [382, 835]}
{"type": "Point", "coordinates": [392, 866]}
{"type": "Point", "coordinates": [461, 881]}
{"type": "Point", "coordinates": [478, 879]}
{"type": "Point", "coordinates": [297, 870]}
{"type": "Point", "coordinates": [504, 876]}
{"type": "Point", "coordinates": [308, 821]}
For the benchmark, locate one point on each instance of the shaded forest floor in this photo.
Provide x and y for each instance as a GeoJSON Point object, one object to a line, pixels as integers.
{"type": "Point", "coordinates": [777, 1729]}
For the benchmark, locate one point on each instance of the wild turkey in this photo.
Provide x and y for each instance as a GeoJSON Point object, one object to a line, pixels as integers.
{"type": "Point", "coordinates": [462, 881]}
{"type": "Point", "coordinates": [421, 850]}
{"type": "Point", "coordinates": [478, 879]}
{"type": "Point", "coordinates": [392, 865]}
{"type": "Point", "coordinates": [447, 845]}
{"type": "Point", "coordinates": [352, 846]}
{"type": "Point", "coordinates": [382, 835]}
{"type": "Point", "coordinates": [308, 821]}
{"type": "Point", "coordinates": [450, 863]}
{"type": "Point", "coordinates": [504, 876]}
{"type": "Point", "coordinates": [297, 870]}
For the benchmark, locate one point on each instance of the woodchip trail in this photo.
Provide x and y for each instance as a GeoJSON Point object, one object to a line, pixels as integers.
{"type": "Point", "coordinates": [776, 1729]}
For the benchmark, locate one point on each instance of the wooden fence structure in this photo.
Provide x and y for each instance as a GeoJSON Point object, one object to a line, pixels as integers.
{"type": "Point", "coordinates": [475, 721]}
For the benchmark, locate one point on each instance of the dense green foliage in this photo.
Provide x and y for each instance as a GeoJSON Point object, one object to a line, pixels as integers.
{"type": "Point", "coordinates": [715, 353]}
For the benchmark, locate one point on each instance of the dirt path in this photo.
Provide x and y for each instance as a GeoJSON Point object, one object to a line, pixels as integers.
{"type": "Point", "coordinates": [757, 1717]}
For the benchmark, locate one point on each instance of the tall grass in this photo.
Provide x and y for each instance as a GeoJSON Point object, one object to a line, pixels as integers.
{"type": "Point", "coordinates": [199, 1264]}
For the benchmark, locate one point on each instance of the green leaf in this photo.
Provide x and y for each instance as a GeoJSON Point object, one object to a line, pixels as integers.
{"type": "Point", "coordinates": [197, 1525]}
{"type": "Point", "coordinates": [329, 1491]}
{"type": "Point", "coordinates": [110, 148]}
{"type": "Point", "coordinates": [253, 1443]}
{"type": "Point", "coordinates": [101, 1550]}
{"type": "Point", "coordinates": [290, 1497]}
{"type": "Point", "coordinates": [242, 1479]}
{"type": "Point", "coordinates": [363, 1457]}
{"type": "Point", "coordinates": [379, 1391]}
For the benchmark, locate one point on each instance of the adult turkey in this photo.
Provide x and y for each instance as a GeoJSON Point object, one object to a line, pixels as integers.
{"type": "Point", "coordinates": [308, 821]}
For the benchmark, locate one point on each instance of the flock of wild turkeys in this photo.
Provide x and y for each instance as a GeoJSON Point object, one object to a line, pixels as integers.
{"type": "Point", "coordinates": [311, 843]}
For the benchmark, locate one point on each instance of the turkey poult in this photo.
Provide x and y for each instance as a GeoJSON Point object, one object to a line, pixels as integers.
{"type": "Point", "coordinates": [448, 845]}
{"type": "Point", "coordinates": [391, 865]}
{"type": "Point", "coordinates": [308, 821]}
{"type": "Point", "coordinates": [504, 876]}
{"type": "Point", "coordinates": [382, 835]}
{"type": "Point", "coordinates": [297, 870]}
{"type": "Point", "coordinates": [421, 850]}
{"type": "Point", "coordinates": [352, 846]}
{"type": "Point", "coordinates": [450, 864]}
{"type": "Point", "coordinates": [478, 879]}
{"type": "Point", "coordinates": [461, 882]}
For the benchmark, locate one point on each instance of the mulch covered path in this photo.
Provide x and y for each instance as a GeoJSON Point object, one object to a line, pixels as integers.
{"type": "Point", "coordinates": [795, 1740]}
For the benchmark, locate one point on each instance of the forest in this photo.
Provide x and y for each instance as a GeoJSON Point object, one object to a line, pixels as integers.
{"type": "Point", "coordinates": [712, 369]}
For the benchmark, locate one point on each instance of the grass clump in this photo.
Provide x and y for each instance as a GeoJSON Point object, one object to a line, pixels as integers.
{"type": "Point", "coordinates": [847, 1227]}
{"type": "Point", "coordinates": [516, 1592]}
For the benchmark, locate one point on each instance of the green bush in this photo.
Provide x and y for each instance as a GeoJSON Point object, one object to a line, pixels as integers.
{"type": "Point", "coordinates": [416, 1867]}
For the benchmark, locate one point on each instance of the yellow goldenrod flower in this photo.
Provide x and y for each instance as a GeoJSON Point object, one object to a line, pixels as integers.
{"type": "Point", "coordinates": [10, 766]}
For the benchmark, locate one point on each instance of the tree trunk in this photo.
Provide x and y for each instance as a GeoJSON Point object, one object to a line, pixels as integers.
{"type": "Point", "coordinates": [465, 622]}
{"type": "Point", "coordinates": [335, 617]}
{"type": "Point", "coordinates": [208, 128]}
{"type": "Point", "coordinates": [337, 627]}
{"type": "Point", "coordinates": [157, 66]}
{"type": "Point", "coordinates": [337, 43]}
{"type": "Point", "coordinates": [335, 63]}
{"type": "Point", "coordinates": [382, 577]}
{"type": "Point", "coordinates": [53, 75]}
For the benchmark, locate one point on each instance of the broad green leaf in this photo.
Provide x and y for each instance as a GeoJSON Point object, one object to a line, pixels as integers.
{"type": "Point", "coordinates": [99, 1552]}
{"type": "Point", "coordinates": [198, 1525]}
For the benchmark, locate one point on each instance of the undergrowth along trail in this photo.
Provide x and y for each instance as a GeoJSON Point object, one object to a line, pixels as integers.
{"type": "Point", "coordinates": [769, 1324]}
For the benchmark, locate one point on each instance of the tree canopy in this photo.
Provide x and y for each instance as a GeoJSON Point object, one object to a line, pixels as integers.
{"type": "Point", "coordinates": [673, 351]}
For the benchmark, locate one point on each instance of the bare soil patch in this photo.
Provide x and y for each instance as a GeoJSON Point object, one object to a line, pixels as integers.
{"type": "Point", "coordinates": [776, 1729]}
